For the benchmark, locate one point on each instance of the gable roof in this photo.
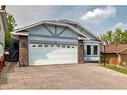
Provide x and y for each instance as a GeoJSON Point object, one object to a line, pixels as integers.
{"type": "Point", "coordinates": [16, 32]}
{"type": "Point", "coordinates": [60, 23]}
{"type": "Point", "coordinates": [4, 19]}
{"type": "Point", "coordinates": [84, 30]}
{"type": "Point", "coordinates": [112, 48]}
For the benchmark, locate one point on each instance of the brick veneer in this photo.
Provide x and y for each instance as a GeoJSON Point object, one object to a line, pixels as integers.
{"type": "Point", "coordinates": [23, 50]}
{"type": "Point", "coordinates": [80, 52]}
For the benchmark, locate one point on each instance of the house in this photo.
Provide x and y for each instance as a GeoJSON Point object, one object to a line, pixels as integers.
{"type": "Point", "coordinates": [114, 54]}
{"type": "Point", "coordinates": [56, 42]}
{"type": "Point", "coordinates": [3, 28]}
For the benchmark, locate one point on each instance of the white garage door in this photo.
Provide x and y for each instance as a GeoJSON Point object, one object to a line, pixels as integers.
{"type": "Point", "coordinates": [44, 54]}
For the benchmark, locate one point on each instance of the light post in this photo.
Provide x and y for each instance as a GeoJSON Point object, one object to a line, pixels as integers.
{"type": "Point", "coordinates": [104, 52]}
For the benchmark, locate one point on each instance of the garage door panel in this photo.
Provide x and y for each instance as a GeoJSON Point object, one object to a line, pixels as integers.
{"type": "Point", "coordinates": [52, 55]}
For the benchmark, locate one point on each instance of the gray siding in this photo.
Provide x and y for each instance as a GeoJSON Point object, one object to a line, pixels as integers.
{"type": "Point", "coordinates": [52, 33]}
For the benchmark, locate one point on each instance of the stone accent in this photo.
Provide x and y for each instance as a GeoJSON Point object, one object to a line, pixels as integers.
{"type": "Point", "coordinates": [23, 50]}
{"type": "Point", "coordinates": [80, 52]}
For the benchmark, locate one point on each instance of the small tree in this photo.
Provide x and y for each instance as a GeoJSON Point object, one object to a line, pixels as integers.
{"type": "Point", "coordinates": [11, 25]}
{"type": "Point", "coordinates": [115, 37]}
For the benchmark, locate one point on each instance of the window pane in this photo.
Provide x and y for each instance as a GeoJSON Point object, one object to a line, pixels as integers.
{"type": "Point", "coordinates": [52, 45]}
{"type": "Point", "coordinates": [39, 45]}
{"type": "Point", "coordinates": [68, 46]}
{"type": "Point", "coordinates": [45, 45]}
{"type": "Point", "coordinates": [95, 51]}
{"type": "Point", "coordinates": [63, 46]}
{"type": "Point", "coordinates": [33, 45]}
{"type": "Point", "coordinates": [58, 45]}
{"type": "Point", "coordinates": [88, 49]}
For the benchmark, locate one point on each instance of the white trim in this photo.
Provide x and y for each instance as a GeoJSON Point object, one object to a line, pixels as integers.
{"type": "Point", "coordinates": [81, 38]}
{"type": "Point", "coordinates": [14, 33]}
{"type": "Point", "coordinates": [92, 49]}
{"type": "Point", "coordinates": [91, 41]}
{"type": "Point", "coordinates": [2, 11]}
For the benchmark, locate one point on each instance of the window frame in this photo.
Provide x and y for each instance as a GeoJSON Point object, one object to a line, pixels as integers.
{"type": "Point", "coordinates": [92, 50]}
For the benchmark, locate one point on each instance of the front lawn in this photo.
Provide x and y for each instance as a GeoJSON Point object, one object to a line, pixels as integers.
{"type": "Point", "coordinates": [120, 69]}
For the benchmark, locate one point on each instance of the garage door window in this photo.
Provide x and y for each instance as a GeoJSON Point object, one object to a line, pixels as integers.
{"type": "Point", "coordinates": [33, 45]}
{"type": "Point", "coordinates": [68, 46]}
{"type": "Point", "coordinates": [39, 45]}
{"type": "Point", "coordinates": [63, 46]}
{"type": "Point", "coordinates": [52, 45]}
{"type": "Point", "coordinates": [57, 45]}
{"type": "Point", "coordinates": [72, 47]}
{"type": "Point", "coordinates": [60, 46]}
{"type": "Point", "coordinates": [46, 45]}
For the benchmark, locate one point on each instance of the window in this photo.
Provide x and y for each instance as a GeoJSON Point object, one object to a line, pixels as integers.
{"type": "Point", "coordinates": [52, 45]}
{"type": "Point", "coordinates": [58, 45]}
{"type": "Point", "coordinates": [63, 46]}
{"type": "Point", "coordinates": [39, 45]}
{"type": "Point", "coordinates": [88, 49]}
{"type": "Point", "coordinates": [68, 46]}
{"type": "Point", "coordinates": [33, 45]}
{"type": "Point", "coordinates": [45, 45]}
{"type": "Point", "coordinates": [95, 50]}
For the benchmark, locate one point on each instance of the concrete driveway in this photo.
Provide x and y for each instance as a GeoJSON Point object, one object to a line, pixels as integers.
{"type": "Point", "coordinates": [75, 76]}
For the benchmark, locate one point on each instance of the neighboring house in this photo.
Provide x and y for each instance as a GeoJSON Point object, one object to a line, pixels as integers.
{"type": "Point", "coordinates": [114, 54]}
{"type": "Point", "coordinates": [56, 42]}
{"type": "Point", "coordinates": [3, 28]}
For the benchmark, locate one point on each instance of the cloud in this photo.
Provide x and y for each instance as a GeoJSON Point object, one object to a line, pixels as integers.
{"type": "Point", "coordinates": [99, 14]}
{"type": "Point", "coordinates": [120, 25]}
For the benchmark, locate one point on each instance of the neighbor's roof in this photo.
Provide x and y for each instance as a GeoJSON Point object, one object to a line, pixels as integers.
{"type": "Point", "coordinates": [4, 19]}
{"type": "Point", "coordinates": [113, 48]}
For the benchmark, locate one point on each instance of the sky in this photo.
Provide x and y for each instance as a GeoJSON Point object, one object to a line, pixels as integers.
{"type": "Point", "coordinates": [97, 19]}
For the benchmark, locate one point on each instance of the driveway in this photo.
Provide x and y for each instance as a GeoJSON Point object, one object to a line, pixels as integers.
{"type": "Point", "coordinates": [75, 76]}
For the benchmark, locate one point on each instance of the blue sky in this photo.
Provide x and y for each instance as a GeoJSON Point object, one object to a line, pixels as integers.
{"type": "Point", "coordinates": [97, 19]}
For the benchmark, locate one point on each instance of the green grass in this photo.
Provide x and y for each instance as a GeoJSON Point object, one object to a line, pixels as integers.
{"type": "Point", "coordinates": [120, 69]}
